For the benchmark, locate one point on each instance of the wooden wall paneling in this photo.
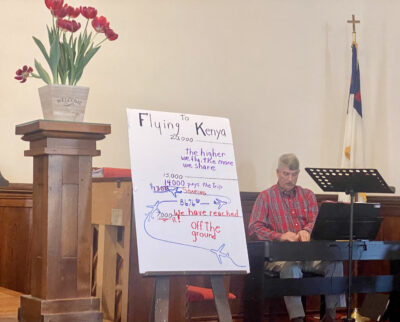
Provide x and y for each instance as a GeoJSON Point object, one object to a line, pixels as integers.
{"type": "Point", "coordinates": [111, 213]}
{"type": "Point", "coordinates": [107, 240]}
{"type": "Point", "coordinates": [15, 236]}
{"type": "Point", "coordinates": [177, 300]}
{"type": "Point", "coordinates": [140, 288]}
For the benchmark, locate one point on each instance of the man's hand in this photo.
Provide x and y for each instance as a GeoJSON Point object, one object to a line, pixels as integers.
{"type": "Point", "coordinates": [304, 235]}
{"type": "Point", "coordinates": [290, 236]}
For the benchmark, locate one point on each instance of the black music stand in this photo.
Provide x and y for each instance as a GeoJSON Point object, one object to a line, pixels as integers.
{"type": "Point", "coordinates": [350, 181]}
{"type": "Point", "coordinates": [332, 222]}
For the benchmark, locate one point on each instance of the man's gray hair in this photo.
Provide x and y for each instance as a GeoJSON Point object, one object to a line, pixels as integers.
{"type": "Point", "coordinates": [289, 160]}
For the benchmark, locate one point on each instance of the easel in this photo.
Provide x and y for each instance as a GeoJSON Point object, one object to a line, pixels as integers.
{"type": "Point", "coordinates": [160, 303]}
{"type": "Point", "coordinates": [189, 212]}
{"type": "Point", "coordinates": [350, 181]}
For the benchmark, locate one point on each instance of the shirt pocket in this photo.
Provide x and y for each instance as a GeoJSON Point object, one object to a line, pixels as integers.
{"type": "Point", "coordinates": [303, 209]}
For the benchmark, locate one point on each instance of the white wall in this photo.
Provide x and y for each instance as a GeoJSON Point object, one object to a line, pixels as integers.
{"type": "Point", "coordinates": [278, 69]}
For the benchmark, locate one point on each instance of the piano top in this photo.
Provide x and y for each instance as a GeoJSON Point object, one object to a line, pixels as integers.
{"type": "Point", "coordinates": [325, 250]}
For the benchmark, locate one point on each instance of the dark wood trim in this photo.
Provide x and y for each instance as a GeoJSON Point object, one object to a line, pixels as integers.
{"type": "Point", "coordinates": [62, 126]}
{"type": "Point", "coordinates": [122, 179]}
{"type": "Point", "coordinates": [384, 200]}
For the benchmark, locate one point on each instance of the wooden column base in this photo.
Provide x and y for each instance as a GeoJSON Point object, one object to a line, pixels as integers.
{"type": "Point", "coordinates": [34, 309]}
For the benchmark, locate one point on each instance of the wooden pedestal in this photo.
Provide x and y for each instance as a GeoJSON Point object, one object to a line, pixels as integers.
{"type": "Point", "coordinates": [61, 244]}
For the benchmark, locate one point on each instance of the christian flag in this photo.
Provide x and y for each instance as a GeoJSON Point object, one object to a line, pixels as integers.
{"type": "Point", "coordinates": [353, 152]}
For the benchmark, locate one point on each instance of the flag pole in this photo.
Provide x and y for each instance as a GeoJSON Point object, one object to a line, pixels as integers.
{"type": "Point", "coordinates": [349, 318]}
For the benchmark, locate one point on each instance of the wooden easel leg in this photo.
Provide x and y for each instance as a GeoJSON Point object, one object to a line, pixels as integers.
{"type": "Point", "coordinates": [221, 298]}
{"type": "Point", "coordinates": [160, 305]}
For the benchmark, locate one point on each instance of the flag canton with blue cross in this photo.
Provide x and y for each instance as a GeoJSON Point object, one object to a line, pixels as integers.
{"type": "Point", "coordinates": [355, 82]}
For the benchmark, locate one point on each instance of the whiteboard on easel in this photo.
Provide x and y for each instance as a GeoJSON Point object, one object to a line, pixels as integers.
{"type": "Point", "coordinates": [187, 205]}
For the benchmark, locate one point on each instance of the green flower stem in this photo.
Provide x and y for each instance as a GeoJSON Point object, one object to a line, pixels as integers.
{"type": "Point", "coordinates": [67, 57]}
{"type": "Point", "coordinates": [85, 31]}
{"type": "Point", "coordinates": [95, 35]}
{"type": "Point", "coordinates": [101, 42]}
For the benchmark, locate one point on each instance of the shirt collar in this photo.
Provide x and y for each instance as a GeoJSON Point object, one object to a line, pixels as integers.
{"type": "Point", "coordinates": [291, 193]}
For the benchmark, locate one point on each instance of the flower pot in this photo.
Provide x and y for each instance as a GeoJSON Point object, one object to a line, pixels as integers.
{"type": "Point", "coordinates": [63, 102]}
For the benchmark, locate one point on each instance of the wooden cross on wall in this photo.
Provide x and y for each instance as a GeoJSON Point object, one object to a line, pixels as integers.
{"type": "Point", "coordinates": [353, 21]}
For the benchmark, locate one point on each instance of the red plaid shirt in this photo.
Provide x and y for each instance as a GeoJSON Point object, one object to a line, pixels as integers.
{"type": "Point", "coordinates": [276, 212]}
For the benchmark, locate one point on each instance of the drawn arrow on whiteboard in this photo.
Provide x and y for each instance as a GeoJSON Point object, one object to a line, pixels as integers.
{"type": "Point", "coordinates": [218, 252]}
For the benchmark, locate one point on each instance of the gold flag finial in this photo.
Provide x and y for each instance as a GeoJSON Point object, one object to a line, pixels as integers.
{"type": "Point", "coordinates": [354, 21]}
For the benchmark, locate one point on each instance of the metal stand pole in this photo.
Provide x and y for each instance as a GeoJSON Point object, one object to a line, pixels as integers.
{"type": "Point", "coordinates": [349, 304]}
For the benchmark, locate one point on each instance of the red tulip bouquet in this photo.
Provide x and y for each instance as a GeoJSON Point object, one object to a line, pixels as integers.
{"type": "Point", "coordinates": [69, 53]}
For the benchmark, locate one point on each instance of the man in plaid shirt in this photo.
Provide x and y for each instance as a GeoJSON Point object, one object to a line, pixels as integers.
{"type": "Point", "coordinates": [287, 212]}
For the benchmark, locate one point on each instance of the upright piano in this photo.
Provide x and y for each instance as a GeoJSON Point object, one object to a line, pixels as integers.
{"type": "Point", "coordinates": [258, 286]}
